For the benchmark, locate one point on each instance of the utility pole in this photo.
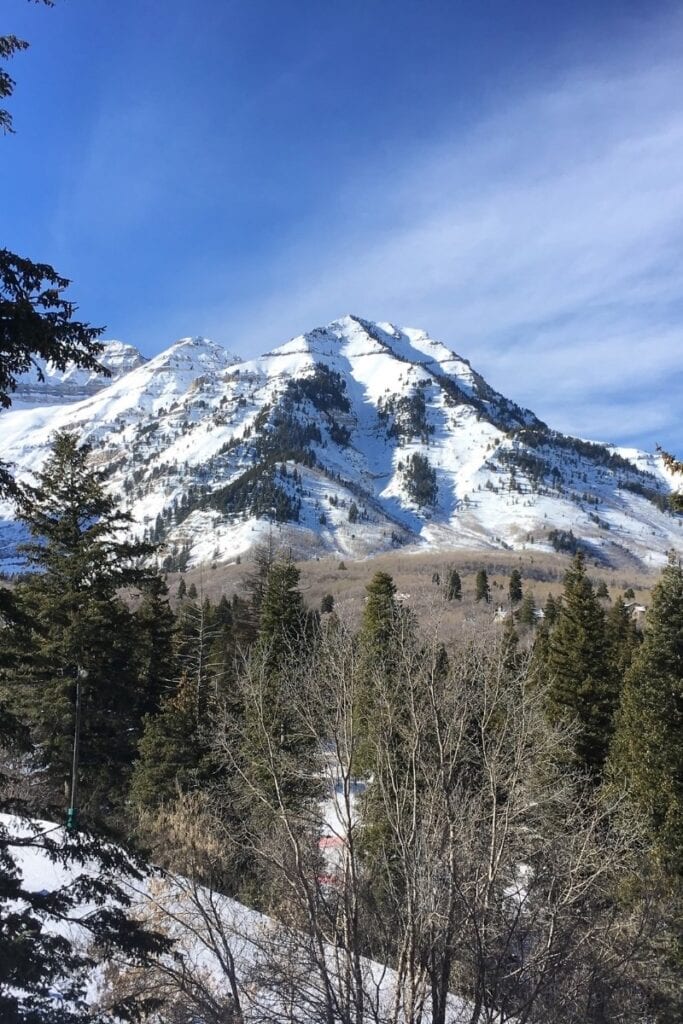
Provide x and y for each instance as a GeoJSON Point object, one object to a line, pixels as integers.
{"type": "Point", "coordinates": [72, 813]}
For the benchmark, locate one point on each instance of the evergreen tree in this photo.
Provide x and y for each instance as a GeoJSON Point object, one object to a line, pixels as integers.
{"type": "Point", "coordinates": [515, 587]}
{"type": "Point", "coordinates": [198, 645]}
{"type": "Point", "coordinates": [647, 752]}
{"type": "Point", "coordinates": [420, 479]}
{"type": "Point", "coordinates": [376, 653]}
{"type": "Point", "coordinates": [175, 751]}
{"type": "Point", "coordinates": [154, 656]}
{"type": "Point", "coordinates": [623, 639]}
{"type": "Point", "coordinates": [171, 751]}
{"type": "Point", "coordinates": [526, 614]}
{"type": "Point", "coordinates": [37, 321]}
{"type": "Point", "coordinates": [9, 45]}
{"type": "Point", "coordinates": [482, 591]}
{"type": "Point", "coordinates": [46, 630]}
{"type": "Point", "coordinates": [581, 685]}
{"type": "Point", "coordinates": [283, 622]}
{"type": "Point", "coordinates": [396, 673]}
{"type": "Point", "coordinates": [327, 604]}
{"type": "Point", "coordinates": [453, 586]}
{"type": "Point", "coordinates": [510, 639]}
{"type": "Point", "coordinates": [44, 974]}
{"type": "Point", "coordinates": [243, 622]}
{"type": "Point", "coordinates": [247, 610]}
{"type": "Point", "coordinates": [551, 610]}
{"type": "Point", "coordinates": [223, 613]}
{"type": "Point", "coordinates": [379, 616]}
{"type": "Point", "coordinates": [272, 727]}
{"type": "Point", "coordinates": [387, 630]}
{"type": "Point", "coordinates": [77, 632]}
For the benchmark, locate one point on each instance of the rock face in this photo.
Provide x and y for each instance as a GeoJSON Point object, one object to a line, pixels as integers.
{"type": "Point", "coordinates": [353, 438]}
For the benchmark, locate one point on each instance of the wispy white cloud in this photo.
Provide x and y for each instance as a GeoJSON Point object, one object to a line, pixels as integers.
{"type": "Point", "coordinates": [545, 245]}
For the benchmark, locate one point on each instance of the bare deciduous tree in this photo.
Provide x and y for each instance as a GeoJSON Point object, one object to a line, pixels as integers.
{"type": "Point", "coordinates": [470, 859]}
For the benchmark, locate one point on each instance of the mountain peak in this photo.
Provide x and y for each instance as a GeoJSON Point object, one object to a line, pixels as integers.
{"type": "Point", "coordinates": [197, 351]}
{"type": "Point", "coordinates": [196, 341]}
{"type": "Point", "coordinates": [349, 321]}
{"type": "Point", "coordinates": [361, 436]}
{"type": "Point", "coordinates": [45, 384]}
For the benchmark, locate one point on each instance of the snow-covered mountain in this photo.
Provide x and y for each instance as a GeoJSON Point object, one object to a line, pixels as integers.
{"type": "Point", "coordinates": [44, 383]}
{"type": "Point", "coordinates": [352, 438]}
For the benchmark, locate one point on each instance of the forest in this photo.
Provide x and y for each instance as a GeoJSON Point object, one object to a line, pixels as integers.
{"type": "Point", "coordinates": [493, 815]}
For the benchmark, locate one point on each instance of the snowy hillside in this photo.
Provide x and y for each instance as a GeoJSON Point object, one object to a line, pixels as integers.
{"type": "Point", "coordinates": [354, 438]}
{"type": "Point", "coordinates": [220, 946]}
{"type": "Point", "coordinates": [44, 384]}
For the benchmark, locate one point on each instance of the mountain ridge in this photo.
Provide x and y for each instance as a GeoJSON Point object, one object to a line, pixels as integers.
{"type": "Point", "coordinates": [351, 438]}
{"type": "Point", "coordinates": [45, 381]}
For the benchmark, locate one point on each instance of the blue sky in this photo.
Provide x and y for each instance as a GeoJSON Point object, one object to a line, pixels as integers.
{"type": "Point", "coordinates": [507, 175]}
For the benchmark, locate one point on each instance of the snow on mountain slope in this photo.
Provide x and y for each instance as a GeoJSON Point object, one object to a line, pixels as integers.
{"type": "Point", "coordinates": [352, 438]}
{"type": "Point", "coordinates": [45, 384]}
{"type": "Point", "coordinates": [174, 376]}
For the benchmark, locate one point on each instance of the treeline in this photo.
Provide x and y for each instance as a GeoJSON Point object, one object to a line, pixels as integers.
{"type": "Point", "coordinates": [505, 815]}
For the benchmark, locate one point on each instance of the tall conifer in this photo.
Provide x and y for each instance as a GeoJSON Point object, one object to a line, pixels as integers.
{"type": "Point", "coordinates": [273, 729]}
{"type": "Point", "coordinates": [453, 585]}
{"type": "Point", "coordinates": [482, 590]}
{"type": "Point", "coordinates": [282, 614]}
{"type": "Point", "coordinates": [377, 652]}
{"type": "Point", "coordinates": [379, 615]}
{"type": "Point", "coordinates": [154, 655]}
{"type": "Point", "coordinates": [515, 592]}
{"type": "Point", "coordinates": [171, 751]}
{"type": "Point", "coordinates": [647, 752]}
{"type": "Point", "coordinates": [623, 639]}
{"type": "Point", "coordinates": [77, 633]}
{"type": "Point", "coordinates": [581, 685]}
